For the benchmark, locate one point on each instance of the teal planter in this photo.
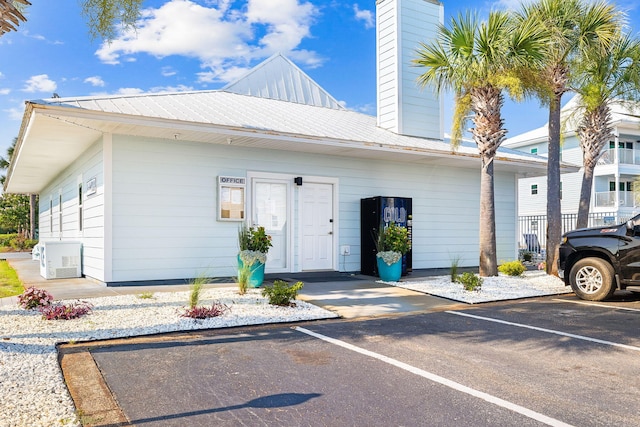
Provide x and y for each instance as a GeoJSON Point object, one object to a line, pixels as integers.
{"type": "Point", "coordinates": [256, 277]}
{"type": "Point", "coordinates": [389, 273]}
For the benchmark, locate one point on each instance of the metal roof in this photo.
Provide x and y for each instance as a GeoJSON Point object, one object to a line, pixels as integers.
{"type": "Point", "coordinates": [56, 131]}
{"type": "Point", "coordinates": [279, 78]}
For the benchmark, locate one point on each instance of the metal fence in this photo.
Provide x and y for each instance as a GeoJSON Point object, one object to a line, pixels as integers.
{"type": "Point", "coordinates": [533, 228]}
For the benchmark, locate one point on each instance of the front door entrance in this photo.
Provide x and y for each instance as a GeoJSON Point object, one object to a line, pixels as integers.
{"type": "Point", "coordinates": [317, 226]}
{"type": "Point", "coordinates": [270, 209]}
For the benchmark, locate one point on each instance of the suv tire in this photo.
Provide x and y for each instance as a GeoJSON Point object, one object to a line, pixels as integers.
{"type": "Point", "coordinates": [592, 279]}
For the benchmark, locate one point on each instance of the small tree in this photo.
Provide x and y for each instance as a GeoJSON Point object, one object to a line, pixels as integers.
{"type": "Point", "coordinates": [12, 216]}
{"type": "Point", "coordinates": [605, 79]}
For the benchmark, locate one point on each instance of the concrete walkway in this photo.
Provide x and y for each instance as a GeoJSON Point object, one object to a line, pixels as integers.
{"type": "Point", "coordinates": [357, 296]}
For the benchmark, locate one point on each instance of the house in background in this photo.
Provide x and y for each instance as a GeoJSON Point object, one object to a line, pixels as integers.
{"type": "Point", "coordinates": [613, 199]}
{"type": "Point", "coordinates": [154, 186]}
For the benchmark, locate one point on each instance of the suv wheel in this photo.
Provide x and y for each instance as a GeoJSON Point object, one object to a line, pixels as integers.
{"type": "Point", "coordinates": [592, 279]}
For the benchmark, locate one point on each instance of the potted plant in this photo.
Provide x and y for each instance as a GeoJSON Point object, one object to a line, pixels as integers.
{"type": "Point", "coordinates": [254, 244]}
{"type": "Point", "coordinates": [391, 243]}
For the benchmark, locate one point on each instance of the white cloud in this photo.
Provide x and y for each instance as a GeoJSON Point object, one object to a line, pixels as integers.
{"type": "Point", "coordinates": [40, 83]}
{"type": "Point", "coordinates": [221, 38]}
{"type": "Point", "coordinates": [364, 15]}
{"type": "Point", "coordinates": [15, 113]}
{"type": "Point", "coordinates": [129, 91]}
{"type": "Point", "coordinates": [5, 91]}
{"type": "Point", "coordinates": [95, 81]}
{"type": "Point", "coordinates": [168, 71]}
{"type": "Point", "coordinates": [179, 88]}
{"type": "Point", "coordinates": [509, 4]}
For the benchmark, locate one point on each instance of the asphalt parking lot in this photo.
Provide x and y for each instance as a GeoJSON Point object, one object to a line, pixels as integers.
{"type": "Point", "coordinates": [544, 361]}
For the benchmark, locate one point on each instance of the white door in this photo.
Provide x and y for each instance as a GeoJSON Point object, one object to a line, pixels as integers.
{"type": "Point", "coordinates": [317, 226]}
{"type": "Point", "coordinates": [270, 208]}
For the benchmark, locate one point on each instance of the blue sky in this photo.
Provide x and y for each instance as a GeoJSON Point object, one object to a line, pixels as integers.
{"type": "Point", "coordinates": [203, 44]}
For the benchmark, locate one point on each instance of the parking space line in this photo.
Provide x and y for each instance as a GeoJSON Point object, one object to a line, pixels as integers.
{"type": "Point", "coordinates": [596, 304]}
{"type": "Point", "coordinates": [438, 379]}
{"type": "Point", "coordinates": [549, 331]}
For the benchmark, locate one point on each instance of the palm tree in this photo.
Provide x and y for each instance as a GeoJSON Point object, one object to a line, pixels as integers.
{"type": "Point", "coordinates": [604, 80]}
{"type": "Point", "coordinates": [101, 15]}
{"type": "Point", "coordinates": [573, 28]}
{"type": "Point", "coordinates": [477, 62]}
{"type": "Point", "coordinates": [11, 14]}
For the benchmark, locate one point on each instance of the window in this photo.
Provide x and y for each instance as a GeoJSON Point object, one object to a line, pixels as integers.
{"type": "Point", "coordinates": [534, 151]}
{"type": "Point", "coordinates": [80, 206]}
{"type": "Point", "coordinates": [60, 212]}
{"type": "Point", "coordinates": [51, 215]}
{"type": "Point", "coordinates": [534, 189]}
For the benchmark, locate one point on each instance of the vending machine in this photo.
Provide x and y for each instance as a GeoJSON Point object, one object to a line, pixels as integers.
{"type": "Point", "coordinates": [375, 214]}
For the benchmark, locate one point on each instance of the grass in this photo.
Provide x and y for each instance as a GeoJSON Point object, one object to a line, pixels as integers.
{"type": "Point", "coordinates": [10, 285]}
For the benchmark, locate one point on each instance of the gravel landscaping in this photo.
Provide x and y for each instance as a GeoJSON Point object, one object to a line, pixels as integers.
{"type": "Point", "coordinates": [530, 284]}
{"type": "Point", "coordinates": [32, 388]}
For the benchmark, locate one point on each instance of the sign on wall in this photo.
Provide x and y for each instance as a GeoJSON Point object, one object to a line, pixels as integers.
{"type": "Point", "coordinates": [231, 198]}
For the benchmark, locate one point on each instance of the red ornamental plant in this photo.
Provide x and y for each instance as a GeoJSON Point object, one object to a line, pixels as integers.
{"type": "Point", "coordinates": [34, 298]}
{"type": "Point", "coordinates": [199, 312]}
{"type": "Point", "coordinates": [65, 311]}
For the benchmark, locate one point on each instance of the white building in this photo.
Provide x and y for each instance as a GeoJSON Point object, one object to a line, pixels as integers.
{"type": "Point", "coordinates": [612, 197]}
{"type": "Point", "coordinates": [153, 185]}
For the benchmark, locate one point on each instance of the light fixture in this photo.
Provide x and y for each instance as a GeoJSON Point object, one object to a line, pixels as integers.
{"type": "Point", "coordinates": [298, 180]}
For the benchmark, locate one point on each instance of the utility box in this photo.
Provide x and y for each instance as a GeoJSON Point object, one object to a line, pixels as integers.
{"type": "Point", "coordinates": [60, 260]}
{"type": "Point", "coordinates": [376, 213]}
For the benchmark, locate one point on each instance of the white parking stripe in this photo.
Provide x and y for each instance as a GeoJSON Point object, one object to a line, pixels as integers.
{"type": "Point", "coordinates": [596, 304]}
{"type": "Point", "coordinates": [438, 379]}
{"type": "Point", "coordinates": [549, 331]}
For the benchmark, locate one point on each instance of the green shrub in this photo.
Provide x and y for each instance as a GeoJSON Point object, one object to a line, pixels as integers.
{"type": "Point", "coordinates": [281, 293]}
{"type": "Point", "coordinates": [470, 281]}
{"type": "Point", "coordinates": [512, 268]}
{"type": "Point", "coordinates": [527, 256]}
{"type": "Point", "coordinates": [145, 295]}
{"type": "Point", "coordinates": [5, 239]}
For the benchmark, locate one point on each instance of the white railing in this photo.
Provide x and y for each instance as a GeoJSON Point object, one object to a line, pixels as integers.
{"type": "Point", "coordinates": [608, 199]}
{"type": "Point", "coordinates": [625, 156]}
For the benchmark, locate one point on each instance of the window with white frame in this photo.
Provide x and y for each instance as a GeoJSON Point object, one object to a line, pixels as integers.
{"type": "Point", "coordinates": [80, 217]}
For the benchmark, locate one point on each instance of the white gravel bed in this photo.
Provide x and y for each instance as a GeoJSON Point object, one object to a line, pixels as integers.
{"type": "Point", "coordinates": [32, 389]}
{"type": "Point", "coordinates": [502, 287]}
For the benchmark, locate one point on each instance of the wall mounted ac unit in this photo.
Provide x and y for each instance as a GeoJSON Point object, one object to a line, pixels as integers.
{"type": "Point", "coordinates": [60, 260]}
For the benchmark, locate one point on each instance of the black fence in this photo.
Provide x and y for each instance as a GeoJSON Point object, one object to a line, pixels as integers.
{"type": "Point", "coordinates": [533, 228]}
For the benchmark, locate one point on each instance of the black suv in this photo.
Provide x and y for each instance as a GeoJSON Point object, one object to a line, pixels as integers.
{"type": "Point", "coordinates": [597, 261]}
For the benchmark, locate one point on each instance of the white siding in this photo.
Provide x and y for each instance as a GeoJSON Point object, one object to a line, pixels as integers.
{"type": "Point", "coordinates": [164, 206]}
{"type": "Point", "coordinates": [88, 165]}
{"type": "Point", "coordinates": [403, 107]}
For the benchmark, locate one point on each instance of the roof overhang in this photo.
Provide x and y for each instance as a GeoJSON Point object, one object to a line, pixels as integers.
{"type": "Point", "coordinates": [53, 136]}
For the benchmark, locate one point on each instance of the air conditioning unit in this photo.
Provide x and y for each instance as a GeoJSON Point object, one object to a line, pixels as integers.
{"type": "Point", "coordinates": [60, 260]}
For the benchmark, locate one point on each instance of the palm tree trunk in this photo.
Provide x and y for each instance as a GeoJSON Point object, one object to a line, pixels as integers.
{"type": "Point", "coordinates": [488, 257]}
{"type": "Point", "coordinates": [585, 197]}
{"type": "Point", "coordinates": [554, 215]}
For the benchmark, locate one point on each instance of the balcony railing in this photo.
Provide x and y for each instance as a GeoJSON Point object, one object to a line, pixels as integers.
{"type": "Point", "coordinates": [625, 156]}
{"type": "Point", "coordinates": [608, 199]}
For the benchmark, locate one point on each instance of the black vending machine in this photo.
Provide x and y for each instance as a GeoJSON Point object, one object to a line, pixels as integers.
{"type": "Point", "coordinates": [375, 214]}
